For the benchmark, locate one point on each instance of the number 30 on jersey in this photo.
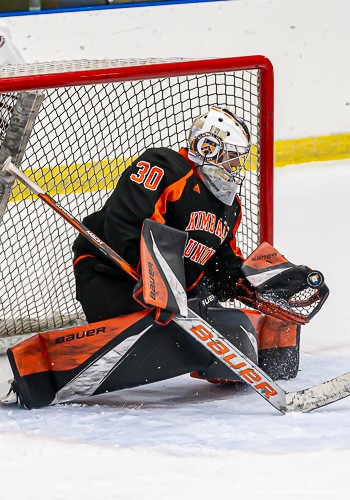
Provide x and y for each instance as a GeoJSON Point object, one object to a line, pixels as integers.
{"type": "Point", "coordinates": [149, 176]}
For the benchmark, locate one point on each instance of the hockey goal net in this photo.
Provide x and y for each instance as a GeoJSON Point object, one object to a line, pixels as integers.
{"type": "Point", "coordinates": [96, 117]}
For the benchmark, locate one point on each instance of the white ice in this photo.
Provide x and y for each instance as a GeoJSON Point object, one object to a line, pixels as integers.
{"type": "Point", "coordinates": [187, 439]}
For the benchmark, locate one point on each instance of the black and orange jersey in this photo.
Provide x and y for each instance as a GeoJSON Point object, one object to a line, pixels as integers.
{"type": "Point", "coordinates": [162, 185]}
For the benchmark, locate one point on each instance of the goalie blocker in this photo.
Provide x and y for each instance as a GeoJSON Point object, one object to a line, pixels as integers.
{"type": "Point", "coordinates": [133, 350]}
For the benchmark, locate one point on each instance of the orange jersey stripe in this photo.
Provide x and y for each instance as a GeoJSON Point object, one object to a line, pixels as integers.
{"type": "Point", "coordinates": [78, 259]}
{"type": "Point", "coordinates": [196, 282]}
{"type": "Point", "coordinates": [171, 193]}
{"type": "Point", "coordinates": [194, 167]}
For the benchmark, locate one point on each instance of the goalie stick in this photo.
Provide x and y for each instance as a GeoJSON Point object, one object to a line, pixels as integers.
{"type": "Point", "coordinates": [299, 401]}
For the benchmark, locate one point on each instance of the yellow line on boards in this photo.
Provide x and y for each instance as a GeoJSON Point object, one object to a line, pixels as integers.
{"type": "Point", "coordinates": [324, 148]}
{"type": "Point", "coordinates": [75, 179]}
{"type": "Point", "coordinates": [92, 176]}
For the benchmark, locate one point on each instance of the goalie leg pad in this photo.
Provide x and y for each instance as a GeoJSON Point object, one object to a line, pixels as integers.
{"type": "Point", "coordinates": [236, 326]}
{"type": "Point", "coordinates": [97, 358]}
{"type": "Point", "coordinates": [279, 346]}
{"type": "Point", "coordinates": [70, 362]}
{"type": "Point", "coordinates": [278, 342]}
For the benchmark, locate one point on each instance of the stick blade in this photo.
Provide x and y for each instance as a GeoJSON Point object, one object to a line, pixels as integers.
{"type": "Point", "coordinates": [319, 395]}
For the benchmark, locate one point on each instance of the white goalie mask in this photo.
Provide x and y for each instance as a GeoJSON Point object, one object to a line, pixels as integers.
{"type": "Point", "coordinates": [219, 143]}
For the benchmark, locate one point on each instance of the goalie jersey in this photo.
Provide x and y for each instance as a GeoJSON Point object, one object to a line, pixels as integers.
{"type": "Point", "coordinates": [162, 185]}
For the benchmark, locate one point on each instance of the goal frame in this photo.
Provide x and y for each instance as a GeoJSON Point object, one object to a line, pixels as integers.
{"type": "Point", "coordinates": [177, 69]}
{"type": "Point", "coordinates": [29, 80]}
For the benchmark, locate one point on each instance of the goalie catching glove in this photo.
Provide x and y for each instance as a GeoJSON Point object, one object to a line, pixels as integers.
{"type": "Point", "coordinates": [276, 287]}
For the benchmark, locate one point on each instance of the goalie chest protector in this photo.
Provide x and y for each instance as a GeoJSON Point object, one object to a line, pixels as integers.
{"type": "Point", "coordinates": [162, 185]}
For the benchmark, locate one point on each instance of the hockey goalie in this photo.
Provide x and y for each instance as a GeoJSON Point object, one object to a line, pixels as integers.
{"type": "Point", "coordinates": [173, 217]}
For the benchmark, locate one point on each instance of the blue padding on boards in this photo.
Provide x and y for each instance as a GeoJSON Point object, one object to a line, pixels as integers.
{"type": "Point", "coordinates": [102, 7]}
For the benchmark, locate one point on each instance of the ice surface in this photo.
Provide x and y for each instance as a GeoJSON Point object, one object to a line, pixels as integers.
{"type": "Point", "coordinates": [187, 439]}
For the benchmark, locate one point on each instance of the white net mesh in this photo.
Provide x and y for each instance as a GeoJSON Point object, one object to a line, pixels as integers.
{"type": "Point", "coordinates": [84, 137]}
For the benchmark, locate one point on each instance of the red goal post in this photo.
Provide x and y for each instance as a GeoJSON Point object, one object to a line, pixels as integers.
{"type": "Point", "coordinates": [96, 117]}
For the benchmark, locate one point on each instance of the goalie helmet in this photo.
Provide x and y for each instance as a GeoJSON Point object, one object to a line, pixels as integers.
{"type": "Point", "coordinates": [219, 143]}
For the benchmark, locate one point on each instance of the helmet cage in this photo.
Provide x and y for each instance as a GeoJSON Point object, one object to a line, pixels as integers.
{"type": "Point", "coordinates": [227, 160]}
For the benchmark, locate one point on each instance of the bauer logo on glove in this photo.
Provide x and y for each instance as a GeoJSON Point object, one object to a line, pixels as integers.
{"type": "Point", "coordinates": [275, 286]}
